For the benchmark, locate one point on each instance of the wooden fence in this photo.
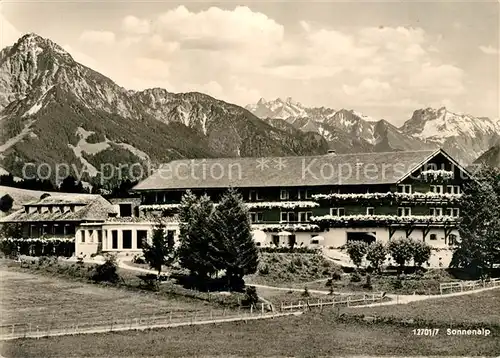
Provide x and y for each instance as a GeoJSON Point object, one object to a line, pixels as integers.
{"type": "Point", "coordinates": [344, 300]}
{"type": "Point", "coordinates": [452, 287]}
{"type": "Point", "coordinates": [172, 319]}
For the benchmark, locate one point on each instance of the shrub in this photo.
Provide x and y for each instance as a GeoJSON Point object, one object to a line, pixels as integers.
{"type": "Point", "coordinates": [337, 273]}
{"type": "Point", "coordinates": [368, 283]}
{"type": "Point", "coordinates": [355, 277]}
{"type": "Point", "coordinates": [376, 254]}
{"type": "Point", "coordinates": [251, 298]}
{"type": "Point", "coordinates": [397, 283]}
{"type": "Point", "coordinates": [107, 271]}
{"type": "Point", "coordinates": [401, 251]}
{"type": "Point", "coordinates": [264, 270]}
{"type": "Point", "coordinates": [288, 250]}
{"type": "Point", "coordinates": [305, 293]}
{"type": "Point", "coordinates": [138, 259]}
{"type": "Point", "coordinates": [149, 282]}
{"type": "Point", "coordinates": [356, 251]}
{"type": "Point", "coordinates": [421, 253]}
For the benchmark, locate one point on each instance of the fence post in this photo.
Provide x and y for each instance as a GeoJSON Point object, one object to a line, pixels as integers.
{"type": "Point", "coordinates": [281, 306]}
{"type": "Point", "coordinates": [37, 333]}
{"type": "Point", "coordinates": [170, 317]}
{"type": "Point", "coordinates": [348, 297]}
{"type": "Point", "coordinates": [262, 308]}
{"type": "Point", "coordinates": [364, 299]}
{"type": "Point", "coordinates": [321, 304]}
{"type": "Point", "coordinates": [441, 289]}
{"type": "Point", "coordinates": [111, 326]}
{"type": "Point", "coordinates": [224, 312]}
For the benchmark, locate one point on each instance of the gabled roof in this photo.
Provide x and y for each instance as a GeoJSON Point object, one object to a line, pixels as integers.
{"type": "Point", "coordinates": [328, 169]}
{"type": "Point", "coordinates": [95, 208]}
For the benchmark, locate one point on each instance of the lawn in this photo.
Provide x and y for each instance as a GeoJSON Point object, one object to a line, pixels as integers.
{"type": "Point", "coordinates": [477, 308]}
{"type": "Point", "coordinates": [312, 334]}
{"type": "Point", "coordinates": [41, 299]}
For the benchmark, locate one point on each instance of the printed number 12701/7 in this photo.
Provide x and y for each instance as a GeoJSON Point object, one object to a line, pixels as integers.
{"type": "Point", "coordinates": [426, 332]}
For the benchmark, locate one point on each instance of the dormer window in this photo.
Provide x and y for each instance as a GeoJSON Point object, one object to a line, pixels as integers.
{"type": "Point", "coordinates": [437, 189]}
{"type": "Point", "coordinates": [404, 188]}
{"type": "Point", "coordinates": [254, 195]}
{"type": "Point", "coordinates": [26, 209]}
{"type": "Point", "coordinates": [284, 194]}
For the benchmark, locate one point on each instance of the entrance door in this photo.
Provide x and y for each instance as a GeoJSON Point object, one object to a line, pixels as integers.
{"type": "Point", "coordinates": [292, 240]}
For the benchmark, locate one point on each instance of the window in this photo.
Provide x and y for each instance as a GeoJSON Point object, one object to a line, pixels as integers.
{"type": "Point", "coordinates": [58, 229]}
{"type": "Point", "coordinates": [287, 216]}
{"type": "Point", "coordinates": [455, 212]}
{"type": "Point", "coordinates": [170, 237]}
{"type": "Point", "coordinates": [303, 194]}
{"type": "Point", "coordinates": [404, 188]}
{"type": "Point", "coordinates": [284, 194]}
{"type": "Point", "coordinates": [453, 189]}
{"type": "Point", "coordinates": [142, 236]}
{"type": "Point", "coordinates": [256, 217]}
{"type": "Point", "coordinates": [99, 236]}
{"type": "Point", "coordinates": [127, 239]}
{"type": "Point", "coordinates": [305, 216]}
{"type": "Point", "coordinates": [254, 195]}
{"type": "Point", "coordinates": [83, 235]}
{"type": "Point", "coordinates": [114, 239]}
{"type": "Point", "coordinates": [404, 211]}
{"type": "Point", "coordinates": [337, 211]}
{"type": "Point", "coordinates": [436, 211]}
{"type": "Point", "coordinates": [437, 189]}
{"type": "Point", "coordinates": [452, 240]}
{"type": "Point", "coordinates": [276, 240]}
{"type": "Point", "coordinates": [370, 211]}
{"type": "Point", "coordinates": [433, 237]}
{"type": "Point", "coordinates": [125, 210]}
{"type": "Point", "coordinates": [70, 229]}
{"type": "Point", "coordinates": [314, 242]}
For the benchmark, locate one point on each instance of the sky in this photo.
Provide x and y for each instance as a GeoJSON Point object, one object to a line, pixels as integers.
{"type": "Point", "coordinates": [384, 59]}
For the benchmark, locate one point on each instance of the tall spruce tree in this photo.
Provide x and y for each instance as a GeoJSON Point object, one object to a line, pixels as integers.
{"type": "Point", "coordinates": [479, 246]}
{"type": "Point", "coordinates": [196, 239]}
{"type": "Point", "coordinates": [233, 239]}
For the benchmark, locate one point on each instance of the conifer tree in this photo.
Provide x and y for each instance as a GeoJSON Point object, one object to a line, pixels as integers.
{"type": "Point", "coordinates": [161, 251]}
{"type": "Point", "coordinates": [233, 240]}
{"type": "Point", "coordinates": [479, 228]}
{"type": "Point", "coordinates": [196, 239]}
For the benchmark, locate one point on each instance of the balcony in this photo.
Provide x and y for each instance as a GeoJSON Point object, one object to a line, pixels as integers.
{"type": "Point", "coordinates": [417, 197]}
{"type": "Point", "coordinates": [384, 220]}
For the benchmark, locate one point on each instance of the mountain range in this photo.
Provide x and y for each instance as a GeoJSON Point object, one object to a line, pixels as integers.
{"type": "Point", "coordinates": [464, 136]}
{"type": "Point", "coordinates": [54, 110]}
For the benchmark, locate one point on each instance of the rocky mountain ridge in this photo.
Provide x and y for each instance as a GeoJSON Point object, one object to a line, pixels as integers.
{"type": "Point", "coordinates": [464, 136]}
{"type": "Point", "coordinates": [54, 110]}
